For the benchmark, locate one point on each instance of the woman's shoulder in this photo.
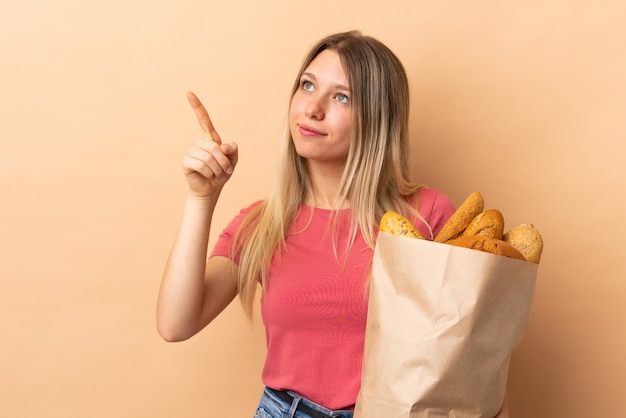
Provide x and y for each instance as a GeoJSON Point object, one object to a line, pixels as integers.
{"type": "Point", "coordinates": [251, 206]}
{"type": "Point", "coordinates": [432, 199]}
{"type": "Point", "coordinates": [427, 199]}
{"type": "Point", "coordinates": [242, 214]}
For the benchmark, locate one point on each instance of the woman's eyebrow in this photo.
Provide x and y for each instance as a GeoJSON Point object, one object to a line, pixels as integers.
{"type": "Point", "coordinates": [337, 86]}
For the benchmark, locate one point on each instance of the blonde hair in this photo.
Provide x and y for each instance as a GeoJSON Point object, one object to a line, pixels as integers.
{"type": "Point", "coordinates": [376, 175]}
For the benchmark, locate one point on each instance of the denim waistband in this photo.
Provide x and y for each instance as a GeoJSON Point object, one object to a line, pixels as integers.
{"type": "Point", "coordinates": [277, 404]}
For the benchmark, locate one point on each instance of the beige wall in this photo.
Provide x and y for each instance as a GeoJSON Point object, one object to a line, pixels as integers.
{"type": "Point", "coordinates": [524, 102]}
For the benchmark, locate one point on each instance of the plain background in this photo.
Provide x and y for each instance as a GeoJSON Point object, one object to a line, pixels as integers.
{"type": "Point", "coordinates": [522, 101]}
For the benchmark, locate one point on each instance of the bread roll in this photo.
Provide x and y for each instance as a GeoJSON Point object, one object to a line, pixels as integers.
{"type": "Point", "coordinates": [486, 244]}
{"type": "Point", "coordinates": [527, 240]}
{"type": "Point", "coordinates": [397, 224]}
{"type": "Point", "coordinates": [489, 223]}
{"type": "Point", "coordinates": [460, 219]}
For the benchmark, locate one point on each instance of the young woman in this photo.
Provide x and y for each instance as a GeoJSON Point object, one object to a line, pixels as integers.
{"type": "Point", "coordinates": [309, 245]}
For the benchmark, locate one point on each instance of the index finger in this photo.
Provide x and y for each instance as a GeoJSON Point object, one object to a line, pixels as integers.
{"type": "Point", "coordinates": [203, 118]}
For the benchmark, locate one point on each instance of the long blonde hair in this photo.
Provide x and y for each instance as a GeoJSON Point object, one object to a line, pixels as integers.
{"type": "Point", "coordinates": [376, 175]}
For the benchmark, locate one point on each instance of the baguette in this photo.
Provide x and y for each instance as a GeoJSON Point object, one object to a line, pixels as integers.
{"type": "Point", "coordinates": [486, 244]}
{"type": "Point", "coordinates": [460, 219]}
{"type": "Point", "coordinates": [489, 223]}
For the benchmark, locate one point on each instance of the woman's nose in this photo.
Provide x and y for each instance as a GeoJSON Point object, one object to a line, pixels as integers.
{"type": "Point", "coordinates": [315, 108]}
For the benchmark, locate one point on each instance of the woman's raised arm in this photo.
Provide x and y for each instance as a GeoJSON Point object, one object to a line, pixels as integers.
{"type": "Point", "coordinates": [193, 290]}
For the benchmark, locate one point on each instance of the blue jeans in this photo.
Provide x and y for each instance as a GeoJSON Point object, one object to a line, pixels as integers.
{"type": "Point", "coordinates": [271, 406]}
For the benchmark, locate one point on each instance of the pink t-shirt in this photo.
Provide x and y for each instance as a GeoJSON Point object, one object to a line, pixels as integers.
{"type": "Point", "coordinates": [314, 306]}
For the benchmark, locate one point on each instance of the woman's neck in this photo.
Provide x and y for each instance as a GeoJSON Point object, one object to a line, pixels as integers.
{"type": "Point", "coordinates": [324, 192]}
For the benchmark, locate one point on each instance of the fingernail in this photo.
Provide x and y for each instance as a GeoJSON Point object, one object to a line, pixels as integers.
{"type": "Point", "coordinates": [229, 170]}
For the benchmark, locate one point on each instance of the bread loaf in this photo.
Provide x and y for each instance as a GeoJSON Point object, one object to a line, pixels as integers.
{"type": "Point", "coordinates": [527, 240]}
{"type": "Point", "coordinates": [470, 227]}
{"type": "Point", "coordinates": [460, 219]}
{"type": "Point", "coordinates": [486, 244]}
{"type": "Point", "coordinates": [397, 224]}
{"type": "Point", "coordinates": [489, 223]}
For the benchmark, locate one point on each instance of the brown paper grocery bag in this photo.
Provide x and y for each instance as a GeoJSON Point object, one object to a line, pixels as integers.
{"type": "Point", "coordinates": [442, 323]}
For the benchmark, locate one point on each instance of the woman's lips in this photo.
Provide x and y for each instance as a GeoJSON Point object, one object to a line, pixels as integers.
{"type": "Point", "coordinates": [306, 130]}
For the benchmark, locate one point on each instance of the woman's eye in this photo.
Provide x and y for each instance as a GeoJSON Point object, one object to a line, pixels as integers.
{"type": "Point", "coordinates": [307, 85]}
{"type": "Point", "coordinates": [342, 98]}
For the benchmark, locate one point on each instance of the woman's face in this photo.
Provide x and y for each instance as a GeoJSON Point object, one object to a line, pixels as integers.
{"type": "Point", "coordinates": [319, 117]}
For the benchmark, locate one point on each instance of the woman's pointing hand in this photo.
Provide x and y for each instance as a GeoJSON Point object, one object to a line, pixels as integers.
{"type": "Point", "coordinates": [208, 163]}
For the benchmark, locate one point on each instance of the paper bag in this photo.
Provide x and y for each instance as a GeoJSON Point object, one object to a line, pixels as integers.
{"type": "Point", "coordinates": [442, 324]}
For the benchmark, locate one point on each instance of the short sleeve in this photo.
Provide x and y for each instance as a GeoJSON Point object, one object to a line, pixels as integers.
{"type": "Point", "coordinates": [224, 245]}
